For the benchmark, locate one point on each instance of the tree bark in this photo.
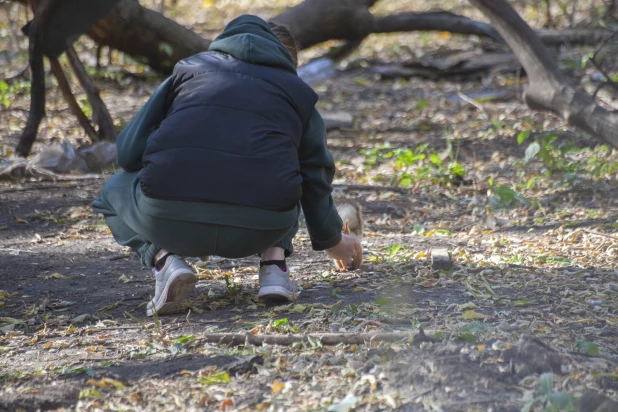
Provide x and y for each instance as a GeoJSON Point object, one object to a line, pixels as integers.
{"type": "Point", "coordinates": [100, 114]}
{"type": "Point", "coordinates": [316, 21]}
{"type": "Point", "coordinates": [433, 21]}
{"type": "Point", "coordinates": [37, 75]}
{"type": "Point", "coordinates": [549, 89]}
{"type": "Point", "coordinates": [142, 32]}
{"type": "Point", "coordinates": [65, 88]}
{"type": "Point", "coordinates": [161, 43]}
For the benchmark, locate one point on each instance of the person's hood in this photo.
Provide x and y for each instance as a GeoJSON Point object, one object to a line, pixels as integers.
{"type": "Point", "coordinates": [248, 38]}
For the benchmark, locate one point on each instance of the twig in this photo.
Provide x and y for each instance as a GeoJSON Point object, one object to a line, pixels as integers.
{"type": "Point", "coordinates": [99, 359]}
{"type": "Point", "coordinates": [323, 338]}
{"type": "Point", "coordinates": [473, 103]}
{"type": "Point", "coordinates": [16, 250]}
{"type": "Point", "coordinates": [368, 188]}
{"type": "Point", "coordinates": [368, 322]}
{"type": "Point", "coordinates": [592, 232]}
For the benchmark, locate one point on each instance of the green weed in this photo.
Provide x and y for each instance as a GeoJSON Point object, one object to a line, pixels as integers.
{"type": "Point", "coordinates": [422, 163]}
{"type": "Point", "coordinates": [549, 400]}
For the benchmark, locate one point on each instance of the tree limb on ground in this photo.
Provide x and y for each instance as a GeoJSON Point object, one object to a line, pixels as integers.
{"type": "Point", "coordinates": [161, 42]}
{"type": "Point", "coordinates": [65, 88]}
{"type": "Point", "coordinates": [548, 89]}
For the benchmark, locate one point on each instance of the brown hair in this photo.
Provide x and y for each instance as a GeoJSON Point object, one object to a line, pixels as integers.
{"type": "Point", "coordinates": [283, 34]}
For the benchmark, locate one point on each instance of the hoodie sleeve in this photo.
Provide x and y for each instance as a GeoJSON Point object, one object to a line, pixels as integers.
{"type": "Point", "coordinates": [131, 141]}
{"type": "Point", "coordinates": [317, 169]}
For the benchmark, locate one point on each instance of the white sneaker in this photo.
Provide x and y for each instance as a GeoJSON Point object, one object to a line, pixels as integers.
{"type": "Point", "coordinates": [175, 281]}
{"type": "Point", "coordinates": [275, 284]}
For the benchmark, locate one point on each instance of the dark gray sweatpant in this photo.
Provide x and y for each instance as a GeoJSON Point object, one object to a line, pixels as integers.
{"type": "Point", "coordinates": [146, 234]}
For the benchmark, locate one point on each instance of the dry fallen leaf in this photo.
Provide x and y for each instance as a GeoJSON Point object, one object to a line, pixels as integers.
{"type": "Point", "coordinates": [57, 276]}
{"type": "Point", "coordinates": [277, 386]}
{"type": "Point", "coordinates": [106, 383]}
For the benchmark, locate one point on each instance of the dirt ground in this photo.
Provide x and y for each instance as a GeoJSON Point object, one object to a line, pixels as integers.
{"type": "Point", "coordinates": [528, 311]}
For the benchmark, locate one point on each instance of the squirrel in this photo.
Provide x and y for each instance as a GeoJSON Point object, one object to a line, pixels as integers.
{"type": "Point", "coordinates": [352, 215]}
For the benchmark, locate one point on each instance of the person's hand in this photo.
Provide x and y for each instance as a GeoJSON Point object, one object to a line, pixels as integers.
{"type": "Point", "coordinates": [348, 249]}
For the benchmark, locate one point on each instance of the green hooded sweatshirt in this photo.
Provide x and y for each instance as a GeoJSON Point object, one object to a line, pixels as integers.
{"type": "Point", "coordinates": [250, 39]}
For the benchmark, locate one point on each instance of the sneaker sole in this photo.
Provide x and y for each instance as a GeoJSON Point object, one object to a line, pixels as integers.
{"type": "Point", "coordinates": [176, 291]}
{"type": "Point", "coordinates": [275, 293]}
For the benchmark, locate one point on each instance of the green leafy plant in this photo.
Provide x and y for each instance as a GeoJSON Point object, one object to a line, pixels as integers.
{"type": "Point", "coordinates": [549, 400]}
{"type": "Point", "coordinates": [503, 197]}
{"type": "Point", "coordinates": [562, 156]}
{"type": "Point", "coordinates": [8, 91]}
{"type": "Point", "coordinates": [587, 347]}
{"type": "Point", "coordinates": [422, 163]}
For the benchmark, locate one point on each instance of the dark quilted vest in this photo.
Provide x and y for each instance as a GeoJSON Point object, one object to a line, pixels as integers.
{"type": "Point", "coordinates": [231, 135]}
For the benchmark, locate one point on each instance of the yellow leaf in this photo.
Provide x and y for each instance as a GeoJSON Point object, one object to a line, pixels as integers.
{"type": "Point", "coordinates": [48, 345]}
{"type": "Point", "coordinates": [57, 276]}
{"type": "Point", "coordinates": [481, 347]}
{"type": "Point", "coordinates": [420, 255]}
{"type": "Point", "coordinates": [358, 289]}
{"type": "Point", "coordinates": [109, 307]}
{"type": "Point", "coordinates": [216, 379]}
{"type": "Point", "coordinates": [107, 383]}
{"type": "Point", "coordinates": [207, 3]}
{"type": "Point", "coordinates": [18, 220]}
{"type": "Point", "coordinates": [445, 35]}
{"type": "Point", "coordinates": [277, 386]}
{"type": "Point", "coordinates": [228, 403]}
{"type": "Point", "coordinates": [124, 278]}
{"type": "Point", "coordinates": [470, 314]}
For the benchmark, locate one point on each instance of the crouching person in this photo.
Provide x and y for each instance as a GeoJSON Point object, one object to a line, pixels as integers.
{"type": "Point", "coordinates": [219, 162]}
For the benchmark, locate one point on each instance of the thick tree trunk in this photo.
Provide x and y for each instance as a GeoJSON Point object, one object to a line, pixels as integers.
{"type": "Point", "coordinates": [142, 32]}
{"type": "Point", "coordinates": [549, 89]}
{"type": "Point", "coordinates": [316, 21]}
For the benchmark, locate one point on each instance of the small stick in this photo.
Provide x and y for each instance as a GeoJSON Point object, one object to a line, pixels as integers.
{"type": "Point", "coordinates": [323, 338]}
{"type": "Point", "coordinates": [592, 232]}
{"type": "Point", "coordinates": [473, 103]}
{"type": "Point", "coordinates": [16, 250]}
{"type": "Point", "coordinates": [371, 188]}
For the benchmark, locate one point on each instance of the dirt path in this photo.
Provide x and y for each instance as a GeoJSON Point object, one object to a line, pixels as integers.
{"type": "Point", "coordinates": [533, 288]}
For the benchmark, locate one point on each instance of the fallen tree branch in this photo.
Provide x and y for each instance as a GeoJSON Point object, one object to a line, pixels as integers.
{"type": "Point", "coordinates": [65, 88]}
{"type": "Point", "coordinates": [100, 113]}
{"type": "Point", "coordinates": [433, 21]}
{"type": "Point", "coordinates": [161, 42]}
{"type": "Point", "coordinates": [322, 338]}
{"type": "Point", "coordinates": [600, 234]}
{"type": "Point", "coordinates": [549, 89]}
{"type": "Point", "coordinates": [148, 35]}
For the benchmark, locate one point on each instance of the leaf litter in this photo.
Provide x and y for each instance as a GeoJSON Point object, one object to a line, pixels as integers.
{"type": "Point", "coordinates": [526, 317]}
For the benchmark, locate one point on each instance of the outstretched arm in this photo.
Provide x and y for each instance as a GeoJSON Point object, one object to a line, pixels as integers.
{"type": "Point", "coordinates": [317, 169]}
